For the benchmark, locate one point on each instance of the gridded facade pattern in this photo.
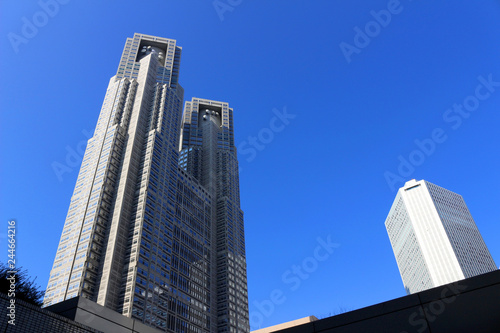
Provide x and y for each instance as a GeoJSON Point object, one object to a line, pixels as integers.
{"type": "Point", "coordinates": [208, 154]}
{"type": "Point", "coordinates": [140, 236]}
{"type": "Point", "coordinates": [468, 245]}
{"type": "Point", "coordinates": [411, 262]}
{"type": "Point", "coordinates": [434, 238]}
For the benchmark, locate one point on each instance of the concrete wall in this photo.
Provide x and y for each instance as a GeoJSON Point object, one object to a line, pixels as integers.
{"type": "Point", "coordinates": [103, 319]}
{"type": "Point", "coordinates": [288, 324]}
{"type": "Point", "coordinates": [32, 318]}
{"type": "Point", "coordinates": [470, 305]}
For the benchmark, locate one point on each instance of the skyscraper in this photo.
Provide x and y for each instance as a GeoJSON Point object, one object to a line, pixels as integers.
{"type": "Point", "coordinates": [434, 238]}
{"type": "Point", "coordinates": [149, 235]}
{"type": "Point", "coordinates": [208, 154]}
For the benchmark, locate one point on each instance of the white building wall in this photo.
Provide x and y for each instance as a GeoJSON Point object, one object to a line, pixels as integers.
{"type": "Point", "coordinates": [407, 250]}
{"type": "Point", "coordinates": [468, 245]}
{"type": "Point", "coordinates": [434, 238]}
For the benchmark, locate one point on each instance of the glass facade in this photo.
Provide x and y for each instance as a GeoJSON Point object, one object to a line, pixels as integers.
{"type": "Point", "coordinates": [209, 155]}
{"type": "Point", "coordinates": [154, 229]}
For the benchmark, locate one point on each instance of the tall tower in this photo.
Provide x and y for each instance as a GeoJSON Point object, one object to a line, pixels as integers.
{"type": "Point", "coordinates": [141, 234]}
{"type": "Point", "coordinates": [434, 238]}
{"type": "Point", "coordinates": [209, 155]}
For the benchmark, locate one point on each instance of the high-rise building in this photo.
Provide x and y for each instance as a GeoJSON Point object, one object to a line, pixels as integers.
{"type": "Point", "coordinates": [208, 154]}
{"type": "Point", "coordinates": [154, 233]}
{"type": "Point", "coordinates": [434, 238]}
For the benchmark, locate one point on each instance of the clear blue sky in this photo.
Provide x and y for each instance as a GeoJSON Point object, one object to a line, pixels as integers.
{"type": "Point", "coordinates": [355, 110]}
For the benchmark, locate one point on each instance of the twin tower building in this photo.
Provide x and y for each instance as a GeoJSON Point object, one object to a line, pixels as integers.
{"type": "Point", "coordinates": [154, 229]}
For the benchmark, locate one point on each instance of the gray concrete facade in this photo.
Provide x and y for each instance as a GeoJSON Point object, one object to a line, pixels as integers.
{"type": "Point", "coordinates": [467, 306]}
{"type": "Point", "coordinates": [98, 317]}
{"type": "Point", "coordinates": [31, 318]}
{"type": "Point", "coordinates": [144, 236]}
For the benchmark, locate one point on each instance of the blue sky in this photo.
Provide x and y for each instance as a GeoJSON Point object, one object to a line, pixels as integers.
{"type": "Point", "coordinates": [329, 122]}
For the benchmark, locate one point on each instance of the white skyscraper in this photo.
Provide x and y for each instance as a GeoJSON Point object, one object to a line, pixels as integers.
{"type": "Point", "coordinates": [434, 237]}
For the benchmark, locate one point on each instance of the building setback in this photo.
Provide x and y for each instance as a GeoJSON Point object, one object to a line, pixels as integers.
{"type": "Point", "coordinates": [434, 237]}
{"type": "Point", "coordinates": [154, 233]}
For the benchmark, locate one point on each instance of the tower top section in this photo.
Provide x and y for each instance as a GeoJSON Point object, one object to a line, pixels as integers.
{"type": "Point", "coordinates": [165, 50]}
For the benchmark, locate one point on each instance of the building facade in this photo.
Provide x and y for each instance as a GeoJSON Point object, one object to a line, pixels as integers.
{"type": "Point", "coordinates": [434, 237]}
{"type": "Point", "coordinates": [145, 235]}
{"type": "Point", "coordinates": [208, 154]}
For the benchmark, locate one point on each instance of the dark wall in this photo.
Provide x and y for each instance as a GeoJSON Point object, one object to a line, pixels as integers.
{"type": "Point", "coordinates": [31, 318]}
{"type": "Point", "coordinates": [470, 306]}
